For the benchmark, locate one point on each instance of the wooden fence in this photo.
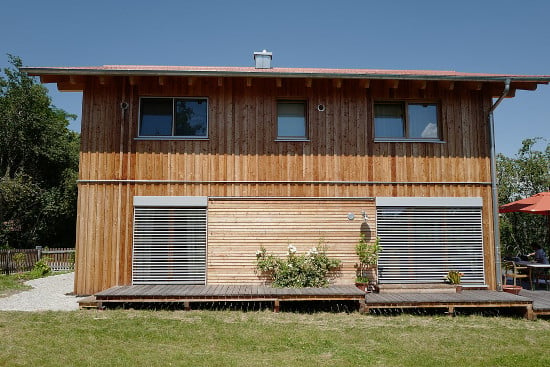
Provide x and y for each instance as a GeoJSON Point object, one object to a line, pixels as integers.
{"type": "Point", "coordinates": [59, 259]}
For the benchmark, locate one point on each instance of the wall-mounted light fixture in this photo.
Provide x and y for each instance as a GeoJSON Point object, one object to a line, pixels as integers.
{"type": "Point", "coordinates": [365, 216]}
{"type": "Point", "coordinates": [123, 108]}
{"type": "Point", "coordinates": [351, 216]}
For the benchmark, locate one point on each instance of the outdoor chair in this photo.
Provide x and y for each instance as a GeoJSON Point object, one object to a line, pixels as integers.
{"type": "Point", "coordinates": [542, 274]}
{"type": "Point", "coordinates": [512, 270]}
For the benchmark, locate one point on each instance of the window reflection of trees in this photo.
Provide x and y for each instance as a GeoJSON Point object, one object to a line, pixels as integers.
{"type": "Point", "coordinates": [190, 118]}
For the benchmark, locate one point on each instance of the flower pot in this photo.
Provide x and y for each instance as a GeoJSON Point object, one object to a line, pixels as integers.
{"type": "Point", "coordinates": [513, 289]}
{"type": "Point", "coordinates": [458, 289]}
{"type": "Point", "coordinates": [362, 286]}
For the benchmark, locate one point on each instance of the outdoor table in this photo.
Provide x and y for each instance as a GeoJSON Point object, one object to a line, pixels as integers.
{"type": "Point", "coordinates": [534, 266]}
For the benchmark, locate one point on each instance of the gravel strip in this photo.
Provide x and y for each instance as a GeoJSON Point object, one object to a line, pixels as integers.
{"type": "Point", "coordinates": [48, 294]}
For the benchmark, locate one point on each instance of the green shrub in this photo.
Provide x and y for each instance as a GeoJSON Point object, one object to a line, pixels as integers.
{"type": "Point", "coordinates": [41, 267]}
{"type": "Point", "coordinates": [368, 252]}
{"type": "Point", "coordinates": [313, 269]}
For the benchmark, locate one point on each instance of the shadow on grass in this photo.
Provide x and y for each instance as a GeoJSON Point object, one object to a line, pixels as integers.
{"type": "Point", "coordinates": [306, 307]}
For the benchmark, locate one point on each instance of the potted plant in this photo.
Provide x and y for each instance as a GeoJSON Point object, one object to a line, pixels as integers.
{"type": "Point", "coordinates": [367, 252]}
{"type": "Point", "coordinates": [454, 277]}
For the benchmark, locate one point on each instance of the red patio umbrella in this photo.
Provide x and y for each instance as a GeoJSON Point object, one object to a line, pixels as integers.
{"type": "Point", "coordinates": [536, 204]}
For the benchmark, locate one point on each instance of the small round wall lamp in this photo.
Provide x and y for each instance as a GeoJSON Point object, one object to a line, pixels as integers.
{"type": "Point", "coordinates": [321, 107]}
{"type": "Point", "coordinates": [351, 216]}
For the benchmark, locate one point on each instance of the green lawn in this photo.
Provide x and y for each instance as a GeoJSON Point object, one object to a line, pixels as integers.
{"type": "Point", "coordinates": [264, 338]}
{"type": "Point", "coordinates": [11, 283]}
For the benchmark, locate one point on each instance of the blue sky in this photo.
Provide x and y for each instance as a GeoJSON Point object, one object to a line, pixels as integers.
{"type": "Point", "coordinates": [470, 35]}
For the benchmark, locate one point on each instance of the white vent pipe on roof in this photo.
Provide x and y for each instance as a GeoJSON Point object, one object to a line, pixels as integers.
{"type": "Point", "coordinates": [263, 59]}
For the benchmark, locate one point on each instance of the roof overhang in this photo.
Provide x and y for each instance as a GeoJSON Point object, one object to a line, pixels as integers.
{"type": "Point", "coordinates": [66, 74]}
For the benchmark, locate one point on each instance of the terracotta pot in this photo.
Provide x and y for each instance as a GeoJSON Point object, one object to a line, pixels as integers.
{"type": "Point", "coordinates": [514, 289]}
{"type": "Point", "coordinates": [362, 286]}
{"type": "Point", "coordinates": [458, 289]}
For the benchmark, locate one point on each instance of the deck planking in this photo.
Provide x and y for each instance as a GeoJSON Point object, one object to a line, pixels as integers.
{"type": "Point", "coordinates": [541, 300]}
{"type": "Point", "coordinates": [144, 293]}
{"type": "Point", "coordinates": [465, 297]}
{"type": "Point", "coordinates": [451, 301]}
{"type": "Point", "coordinates": [534, 302]}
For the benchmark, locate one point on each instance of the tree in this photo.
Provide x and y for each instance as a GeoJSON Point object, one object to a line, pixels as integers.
{"type": "Point", "coordinates": [38, 165]}
{"type": "Point", "coordinates": [525, 175]}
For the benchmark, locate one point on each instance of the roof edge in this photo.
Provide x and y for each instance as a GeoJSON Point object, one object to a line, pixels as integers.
{"type": "Point", "coordinates": [282, 73]}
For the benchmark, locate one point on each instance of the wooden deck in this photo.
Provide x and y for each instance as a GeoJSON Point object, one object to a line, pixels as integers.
{"type": "Point", "coordinates": [188, 294]}
{"type": "Point", "coordinates": [532, 303]}
{"type": "Point", "coordinates": [541, 301]}
{"type": "Point", "coordinates": [450, 301]}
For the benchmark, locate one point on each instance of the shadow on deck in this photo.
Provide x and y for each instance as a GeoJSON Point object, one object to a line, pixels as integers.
{"type": "Point", "coordinates": [531, 303]}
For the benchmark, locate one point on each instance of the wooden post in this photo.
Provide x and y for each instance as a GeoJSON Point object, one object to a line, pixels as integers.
{"type": "Point", "coordinates": [8, 259]}
{"type": "Point", "coordinates": [276, 305]}
{"type": "Point", "coordinates": [529, 314]}
{"type": "Point", "coordinates": [451, 311]}
{"type": "Point", "coordinates": [187, 306]}
{"type": "Point", "coordinates": [362, 306]}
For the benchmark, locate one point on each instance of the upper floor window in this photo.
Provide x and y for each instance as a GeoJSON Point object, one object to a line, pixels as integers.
{"type": "Point", "coordinates": [174, 117]}
{"type": "Point", "coordinates": [406, 120]}
{"type": "Point", "coordinates": [291, 120]}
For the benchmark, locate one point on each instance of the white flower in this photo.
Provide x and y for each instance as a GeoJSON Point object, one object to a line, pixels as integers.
{"type": "Point", "coordinates": [291, 249]}
{"type": "Point", "coordinates": [313, 251]}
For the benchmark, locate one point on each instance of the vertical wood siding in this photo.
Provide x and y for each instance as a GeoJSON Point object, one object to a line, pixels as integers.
{"type": "Point", "coordinates": [339, 160]}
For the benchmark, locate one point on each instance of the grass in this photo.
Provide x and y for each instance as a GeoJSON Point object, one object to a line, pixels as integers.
{"type": "Point", "coordinates": [264, 338]}
{"type": "Point", "coordinates": [13, 283]}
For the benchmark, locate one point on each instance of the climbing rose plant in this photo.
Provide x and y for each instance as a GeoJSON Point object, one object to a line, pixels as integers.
{"type": "Point", "coordinates": [312, 269]}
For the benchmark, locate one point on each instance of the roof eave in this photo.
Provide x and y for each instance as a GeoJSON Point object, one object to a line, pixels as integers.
{"type": "Point", "coordinates": [42, 71]}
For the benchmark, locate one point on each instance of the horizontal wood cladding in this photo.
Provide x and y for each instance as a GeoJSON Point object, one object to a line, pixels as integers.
{"type": "Point", "coordinates": [105, 215]}
{"type": "Point", "coordinates": [242, 133]}
{"type": "Point", "coordinates": [237, 229]}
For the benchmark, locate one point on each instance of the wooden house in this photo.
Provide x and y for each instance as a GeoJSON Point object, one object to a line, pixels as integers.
{"type": "Point", "coordinates": [186, 171]}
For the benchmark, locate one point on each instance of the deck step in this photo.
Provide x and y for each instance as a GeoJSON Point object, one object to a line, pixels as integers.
{"type": "Point", "coordinates": [417, 288]}
{"type": "Point", "coordinates": [89, 303]}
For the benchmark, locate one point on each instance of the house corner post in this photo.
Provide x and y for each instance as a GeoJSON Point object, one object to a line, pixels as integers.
{"type": "Point", "coordinates": [494, 187]}
{"type": "Point", "coordinates": [494, 195]}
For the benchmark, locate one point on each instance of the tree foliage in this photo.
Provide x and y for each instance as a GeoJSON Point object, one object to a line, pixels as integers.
{"type": "Point", "coordinates": [38, 165]}
{"type": "Point", "coordinates": [526, 174]}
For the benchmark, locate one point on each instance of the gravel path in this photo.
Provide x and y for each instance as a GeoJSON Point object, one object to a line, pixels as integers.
{"type": "Point", "coordinates": [48, 294]}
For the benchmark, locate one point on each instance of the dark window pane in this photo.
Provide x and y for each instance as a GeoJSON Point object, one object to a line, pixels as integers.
{"type": "Point", "coordinates": [389, 121]}
{"type": "Point", "coordinates": [291, 120]}
{"type": "Point", "coordinates": [191, 117]}
{"type": "Point", "coordinates": [423, 121]}
{"type": "Point", "coordinates": [156, 117]}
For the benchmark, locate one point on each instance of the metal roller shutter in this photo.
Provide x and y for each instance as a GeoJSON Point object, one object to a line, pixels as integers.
{"type": "Point", "coordinates": [169, 246]}
{"type": "Point", "coordinates": [421, 244]}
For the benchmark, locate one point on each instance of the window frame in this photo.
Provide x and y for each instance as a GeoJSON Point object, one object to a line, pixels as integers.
{"type": "Point", "coordinates": [172, 136]}
{"type": "Point", "coordinates": [405, 105]}
{"type": "Point", "coordinates": [304, 102]}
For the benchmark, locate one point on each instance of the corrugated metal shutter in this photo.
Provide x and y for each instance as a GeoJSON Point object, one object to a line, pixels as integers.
{"type": "Point", "coordinates": [421, 244]}
{"type": "Point", "coordinates": [169, 246]}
